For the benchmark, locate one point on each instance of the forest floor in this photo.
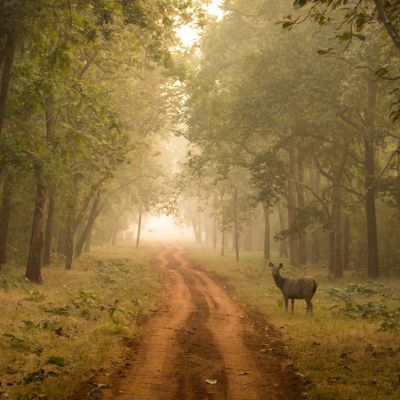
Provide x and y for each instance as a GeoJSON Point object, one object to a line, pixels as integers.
{"type": "Point", "coordinates": [76, 324]}
{"type": "Point", "coordinates": [349, 349]}
{"type": "Point", "coordinates": [173, 323]}
{"type": "Point", "coordinates": [200, 344]}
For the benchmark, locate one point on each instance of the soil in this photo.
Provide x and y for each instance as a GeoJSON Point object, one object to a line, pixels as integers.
{"type": "Point", "coordinates": [200, 344]}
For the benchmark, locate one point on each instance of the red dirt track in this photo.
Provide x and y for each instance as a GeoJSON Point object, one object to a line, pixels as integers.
{"type": "Point", "coordinates": [200, 333]}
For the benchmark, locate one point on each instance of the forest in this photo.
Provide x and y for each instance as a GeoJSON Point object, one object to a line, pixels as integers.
{"type": "Point", "coordinates": [159, 159]}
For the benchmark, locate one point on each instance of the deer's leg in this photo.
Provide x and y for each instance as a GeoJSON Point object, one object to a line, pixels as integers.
{"type": "Point", "coordinates": [292, 303]}
{"type": "Point", "coordinates": [286, 303]}
{"type": "Point", "coordinates": [309, 306]}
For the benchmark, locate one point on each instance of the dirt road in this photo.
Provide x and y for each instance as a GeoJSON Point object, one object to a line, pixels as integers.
{"type": "Point", "coordinates": [200, 344]}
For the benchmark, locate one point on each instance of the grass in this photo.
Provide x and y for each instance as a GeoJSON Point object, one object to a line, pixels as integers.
{"type": "Point", "coordinates": [54, 335]}
{"type": "Point", "coordinates": [345, 351]}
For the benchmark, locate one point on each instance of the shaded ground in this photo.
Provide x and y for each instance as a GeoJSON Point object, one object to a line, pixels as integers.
{"type": "Point", "coordinates": [200, 344]}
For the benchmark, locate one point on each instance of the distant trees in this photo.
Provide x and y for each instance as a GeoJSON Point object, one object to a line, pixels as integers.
{"type": "Point", "coordinates": [312, 130]}
{"type": "Point", "coordinates": [80, 102]}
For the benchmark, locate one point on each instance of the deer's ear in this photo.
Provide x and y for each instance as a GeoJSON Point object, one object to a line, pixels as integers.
{"type": "Point", "coordinates": [270, 264]}
{"type": "Point", "coordinates": [280, 265]}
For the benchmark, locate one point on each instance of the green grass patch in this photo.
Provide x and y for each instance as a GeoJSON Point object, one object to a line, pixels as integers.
{"type": "Point", "coordinates": [349, 349]}
{"type": "Point", "coordinates": [54, 335]}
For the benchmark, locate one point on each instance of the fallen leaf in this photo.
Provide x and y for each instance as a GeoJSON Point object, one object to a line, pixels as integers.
{"type": "Point", "coordinates": [211, 381]}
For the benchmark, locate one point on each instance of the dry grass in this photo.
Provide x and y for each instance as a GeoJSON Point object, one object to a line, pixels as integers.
{"type": "Point", "coordinates": [77, 318]}
{"type": "Point", "coordinates": [341, 357]}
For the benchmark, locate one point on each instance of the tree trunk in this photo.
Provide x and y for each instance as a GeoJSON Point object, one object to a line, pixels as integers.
{"type": "Point", "coordinates": [49, 115]}
{"type": "Point", "coordinates": [302, 244]}
{"type": "Point", "coordinates": [331, 252]}
{"type": "Point", "coordinates": [267, 240]}
{"type": "Point", "coordinates": [315, 248]}
{"type": "Point", "coordinates": [236, 225]}
{"type": "Point", "coordinates": [94, 213]}
{"type": "Point", "coordinates": [291, 197]}
{"type": "Point", "coordinates": [372, 235]}
{"type": "Point", "coordinates": [35, 254]}
{"type": "Point", "coordinates": [196, 230]}
{"type": "Point", "coordinates": [88, 242]}
{"type": "Point", "coordinates": [139, 228]}
{"type": "Point", "coordinates": [69, 247]}
{"type": "Point", "coordinates": [6, 76]}
{"type": "Point", "coordinates": [370, 190]}
{"type": "Point", "coordinates": [5, 214]}
{"type": "Point", "coordinates": [61, 242]}
{"type": "Point", "coordinates": [49, 230]}
{"type": "Point", "coordinates": [315, 245]}
{"type": "Point", "coordinates": [247, 244]}
{"type": "Point", "coordinates": [337, 231]}
{"type": "Point", "coordinates": [283, 251]}
{"type": "Point", "coordinates": [346, 241]}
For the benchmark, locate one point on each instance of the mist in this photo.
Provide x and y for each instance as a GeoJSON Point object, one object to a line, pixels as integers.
{"type": "Point", "coordinates": [199, 199]}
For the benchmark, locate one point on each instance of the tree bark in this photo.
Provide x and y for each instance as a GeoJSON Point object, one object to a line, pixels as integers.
{"type": "Point", "coordinates": [346, 241]}
{"type": "Point", "coordinates": [5, 215]}
{"type": "Point", "coordinates": [247, 244]}
{"type": "Point", "coordinates": [267, 235]}
{"type": "Point", "coordinates": [88, 242]}
{"type": "Point", "coordinates": [331, 252]}
{"type": "Point", "coordinates": [6, 76]}
{"type": "Point", "coordinates": [302, 243]}
{"type": "Point", "coordinates": [372, 235]}
{"type": "Point", "coordinates": [61, 242]}
{"type": "Point", "coordinates": [49, 115]}
{"type": "Point", "coordinates": [283, 251]}
{"type": "Point", "coordinates": [73, 223]}
{"type": "Point", "coordinates": [69, 247]}
{"type": "Point", "coordinates": [49, 230]}
{"type": "Point", "coordinates": [337, 268]}
{"type": "Point", "coordinates": [292, 204]}
{"type": "Point", "coordinates": [35, 255]}
{"type": "Point", "coordinates": [139, 228]}
{"type": "Point", "coordinates": [94, 213]}
{"type": "Point", "coordinates": [370, 191]}
{"type": "Point", "coordinates": [315, 245]}
{"type": "Point", "coordinates": [386, 20]}
{"type": "Point", "coordinates": [196, 229]}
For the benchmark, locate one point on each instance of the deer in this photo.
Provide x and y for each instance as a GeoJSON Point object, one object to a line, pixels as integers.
{"type": "Point", "coordinates": [294, 288]}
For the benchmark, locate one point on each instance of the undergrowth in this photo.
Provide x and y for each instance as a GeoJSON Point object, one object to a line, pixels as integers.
{"type": "Point", "coordinates": [349, 348]}
{"type": "Point", "coordinates": [54, 335]}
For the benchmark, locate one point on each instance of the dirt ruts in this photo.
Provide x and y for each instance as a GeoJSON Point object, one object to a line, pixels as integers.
{"type": "Point", "coordinates": [200, 344]}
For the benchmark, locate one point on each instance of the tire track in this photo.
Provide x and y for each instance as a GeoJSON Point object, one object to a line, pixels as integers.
{"type": "Point", "coordinates": [200, 333]}
{"type": "Point", "coordinates": [150, 375]}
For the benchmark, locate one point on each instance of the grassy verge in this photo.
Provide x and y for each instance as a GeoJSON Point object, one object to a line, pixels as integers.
{"type": "Point", "coordinates": [349, 349]}
{"type": "Point", "coordinates": [54, 335]}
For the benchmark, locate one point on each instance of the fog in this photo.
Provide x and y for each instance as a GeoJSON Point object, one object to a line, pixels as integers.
{"type": "Point", "coordinates": [165, 228]}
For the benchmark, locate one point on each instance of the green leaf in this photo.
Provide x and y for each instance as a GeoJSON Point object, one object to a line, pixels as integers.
{"type": "Point", "coordinates": [59, 361]}
{"type": "Point", "coordinates": [344, 37]}
{"type": "Point", "coordinates": [29, 324]}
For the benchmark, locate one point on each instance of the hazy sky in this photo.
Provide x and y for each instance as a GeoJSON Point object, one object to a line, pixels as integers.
{"type": "Point", "coordinates": [188, 34]}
